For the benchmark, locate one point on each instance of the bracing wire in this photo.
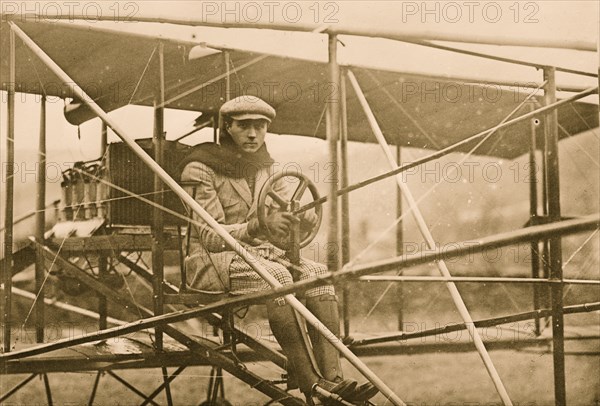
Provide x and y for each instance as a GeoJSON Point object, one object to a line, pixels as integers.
{"type": "Point", "coordinates": [142, 74]}
{"type": "Point", "coordinates": [584, 150]}
{"type": "Point", "coordinates": [582, 269]}
{"type": "Point", "coordinates": [436, 185]}
{"type": "Point", "coordinates": [404, 111]}
{"type": "Point", "coordinates": [49, 271]}
{"type": "Point", "coordinates": [209, 82]}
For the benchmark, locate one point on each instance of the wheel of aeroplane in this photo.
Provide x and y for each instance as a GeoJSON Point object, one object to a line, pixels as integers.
{"type": "Point", "coordinates": [269, 197]}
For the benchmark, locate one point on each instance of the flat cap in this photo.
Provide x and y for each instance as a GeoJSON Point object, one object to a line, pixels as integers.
{"type": "Point", "coordinates": [247, 108]}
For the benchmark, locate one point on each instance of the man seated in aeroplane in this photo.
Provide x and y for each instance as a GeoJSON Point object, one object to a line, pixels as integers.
{"type": "Point", "coordinates": [225, 180]}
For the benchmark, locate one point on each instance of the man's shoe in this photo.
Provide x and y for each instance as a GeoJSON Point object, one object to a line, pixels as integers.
{"type": "Point", "coordinates": [344, 389]}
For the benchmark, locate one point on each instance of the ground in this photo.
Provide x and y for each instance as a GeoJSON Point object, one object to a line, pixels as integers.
{"type": "Point", "coordinates": [420, 380]}
{"type": "Point", "coordinates": [441, 378]}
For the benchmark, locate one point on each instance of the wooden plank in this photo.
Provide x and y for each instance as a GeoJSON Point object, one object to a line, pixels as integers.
{"type": "Point", "coordinates": [107, 244]}
{"type": "Point", "coordinates": [193, 298]}
{"type": "Point", "coordinates": [78, 362]}
{"type": "Point", "coordinates": [391, 349]}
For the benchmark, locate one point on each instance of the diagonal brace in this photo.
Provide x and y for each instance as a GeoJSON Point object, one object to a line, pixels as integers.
{"type": "Point", "coordinates": [424, 229]}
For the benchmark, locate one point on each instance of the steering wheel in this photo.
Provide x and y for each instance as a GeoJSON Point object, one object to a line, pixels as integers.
{"type": "Point", "coordinates": [290, 206]}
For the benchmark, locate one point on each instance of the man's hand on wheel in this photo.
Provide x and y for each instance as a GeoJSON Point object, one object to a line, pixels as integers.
{"type": "Point", "coordinates": [278, 223]}
{"type": "Point", "coordinates": [308, 221]}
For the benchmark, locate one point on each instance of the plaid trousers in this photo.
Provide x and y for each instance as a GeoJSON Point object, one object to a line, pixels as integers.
{"type": "Point", "coordinates": [244, 279]}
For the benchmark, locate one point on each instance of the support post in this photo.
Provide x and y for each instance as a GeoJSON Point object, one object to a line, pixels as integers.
{"type": "Point", "coordinates": [167, 385]}
{"type": "Point", "coordinates": [102, 259]}
{"type": "Point", "coordinates": [48, 390]}
{"type": "Point", "coordinates": [555, 249]}
{"type": "Point", "coordinates": [333, 131]}
{"type": "Point", "coordinates": [227, 96]}
{"type": "Point", "coordinates": [40, 226]}
{"type": "Point", "coordinates": [103, 140]}
{"type": "Point", "coordinates": [424, 229]}
{"type": "Point", "coordinates": [533, 214]}
{"type": "Point", "coordinates": [8, 209]}
{"type": "Point", "coordinates": [227, 63]}
{"type": "Point", "coordinates": [214, 121]}
{"type": "Point", "coordinates": [545, 262]}
{"type": "Point", "coordinates": [345, 203]}
{"type": "Point", "coordinates": [399, 247]}
{"type": "Point", "coordinates": [157, 213]}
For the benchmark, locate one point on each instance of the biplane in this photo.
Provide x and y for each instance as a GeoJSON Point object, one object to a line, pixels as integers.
{"type": "Point", "coordinates": [121, 219]}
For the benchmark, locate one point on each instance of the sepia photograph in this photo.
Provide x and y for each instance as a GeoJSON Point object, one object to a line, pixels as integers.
{"type": "Point", "coordinates": [337, 203]}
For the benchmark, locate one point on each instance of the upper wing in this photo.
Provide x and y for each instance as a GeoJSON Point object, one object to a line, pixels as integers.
{"type": "Point", "coordinates": [117, 69]}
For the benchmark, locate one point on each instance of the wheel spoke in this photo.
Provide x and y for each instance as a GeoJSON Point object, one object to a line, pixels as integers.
{"type": "Point", "coordinates": [288, 205]}
{"type": "Point", "coordinates": [278, 199]}
{"type": "Point", "coordinates": [300, 189]}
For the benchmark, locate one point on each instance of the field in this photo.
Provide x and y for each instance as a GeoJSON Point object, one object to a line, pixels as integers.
{"type": "Point", "coordinates": [438, 378]}
{"type": "Point", "coordinates": [423, 380]}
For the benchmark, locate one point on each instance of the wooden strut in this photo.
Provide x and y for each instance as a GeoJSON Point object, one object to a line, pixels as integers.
{"type": "Point", "coordinates": [164, 385]}
{"type": "Point", "coordinates": [424, 229]}
{"type": "Point", "coordinates": [157, 228]}
{"type": "Point", "coordinates": [47, 389]}
{"type": "Point", "coordinates": [17, 387]}
{"type": "Point", "coordinates": [102, 258]}
{"type": "Point", "coordinates": [588, 307]}
{"type": "Point", "coordinates": [332, 128]}
{"type": "Point", "coordinates": [555, 242]}
{"type": "Point", "coordinates": [533, 216]}
{"type": "Point", "coordinates": [538, 232]}
{"type": "Point", "coordinates": [471, 279]}
{"type": "Point", "coordinates": [131, 387]}
{"type": "Point", "coordinates": [211, 222]}
{"type": "Point", "coordinates": [345, 202]}
{"type": "Point", "coordinates": [95, 388]}
{"type": "Point", "coordinates": [9, 203]}
{"type": "Point", "coordinates": [40, 225]}
{"type": "Point", "coordinates": [399, 246]}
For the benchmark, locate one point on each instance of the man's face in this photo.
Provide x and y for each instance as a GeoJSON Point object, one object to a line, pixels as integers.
{"type": "Point", "coordinates": [249, 135]}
